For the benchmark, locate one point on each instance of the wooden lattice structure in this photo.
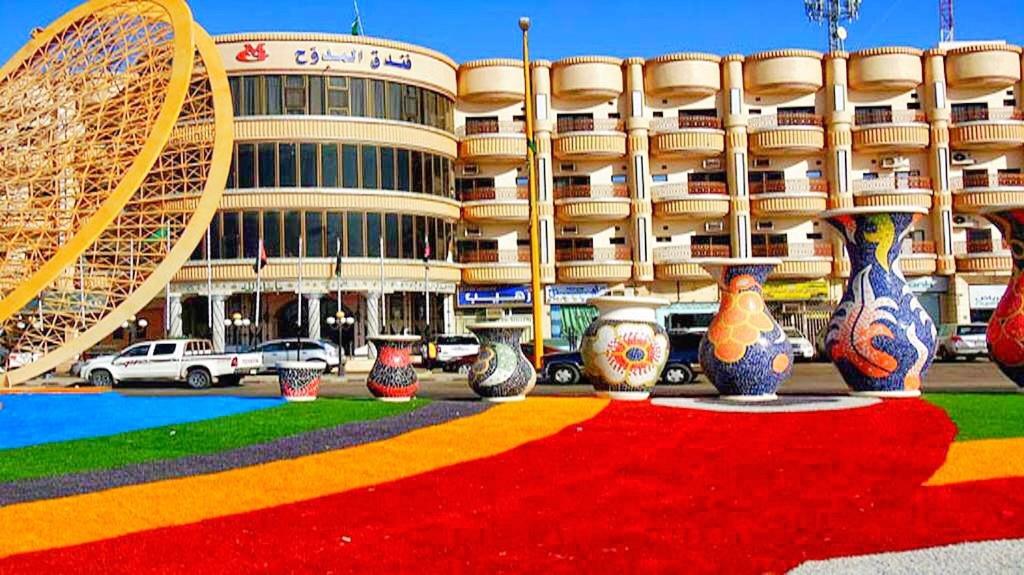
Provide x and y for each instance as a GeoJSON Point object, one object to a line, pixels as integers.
{"type": "Point", "coordinates": [115, 139]}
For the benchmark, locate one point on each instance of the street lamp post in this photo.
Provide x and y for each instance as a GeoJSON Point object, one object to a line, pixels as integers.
{"type": "Point", "coordinates": [531, 161]}
{"type": "Point", "coordinates": [340, 320]}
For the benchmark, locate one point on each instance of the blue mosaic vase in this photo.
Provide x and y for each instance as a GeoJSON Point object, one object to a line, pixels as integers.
{"type": "Point", "coordinates": [501, 372]}
{"type": "Point", "coordinates": [879, 337]}
{"type": "Point", "coordinates": [744, 353]}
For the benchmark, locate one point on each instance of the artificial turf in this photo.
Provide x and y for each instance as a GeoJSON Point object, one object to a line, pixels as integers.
{"type": "Point", "coordinates": [983, 415]}
{"type": "Point", "coordinates": [202, 437]}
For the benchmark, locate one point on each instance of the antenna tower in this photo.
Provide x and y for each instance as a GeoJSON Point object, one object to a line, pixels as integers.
{"type": "Point", "coordinates": [945, 20]}
{"type": "Point", "coordinates": [833, 12]}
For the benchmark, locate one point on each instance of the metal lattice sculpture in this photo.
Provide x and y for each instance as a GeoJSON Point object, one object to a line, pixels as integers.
{"type": "Point", "coordinates": [115, 138]}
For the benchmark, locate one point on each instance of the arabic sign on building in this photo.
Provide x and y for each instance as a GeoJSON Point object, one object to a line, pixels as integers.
{"type": "Point", "coordinates": [928, 284]}
{"type": "Point", "coordinates": [495, 296]}
{"type": "Point", "coordinates": [572, 294]}
{"type": "Point", "coordinates": [986, 297]}
{"type": "Point", "coordinates": [796, 291]}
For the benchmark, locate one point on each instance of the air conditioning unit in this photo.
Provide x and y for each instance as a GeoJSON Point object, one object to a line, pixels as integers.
{"type": "Point", "coordinates": [964, 222]}
{"type": "Point", "coordinates": [762, 162]}
{"type": "Point", "coordinates": [567, 167]}
{"type": "Point", "coordinates": [569, 230]}
{"type": "Point", "coordinates": [761, 226]}
{"type": "Point", "coordinates": [895, 162]}
{"type": "Point", "coordinates": [473, 232]}
{"type": "Point", "coordinates": [712, 164]}
{"type": "Point", "coordinates": [714, 226]}
{"type": "Point", "coordinates": [961, 159]}
{"type": "Point", "coordinates": [470, 169]}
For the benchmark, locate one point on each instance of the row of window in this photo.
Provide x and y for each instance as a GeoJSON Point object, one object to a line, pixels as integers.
{"type": "Point", "coordinates": [236, 235]}
{"type": "Point", "coordinates": [310, 95]}
{"type": "Point", "coordinates": [313, 165]}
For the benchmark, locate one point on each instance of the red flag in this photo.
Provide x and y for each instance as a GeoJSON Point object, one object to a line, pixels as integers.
{"type": "Point", "coordinates": [426, 246]}
{"type": "Point", "coordinates": [261, 259]}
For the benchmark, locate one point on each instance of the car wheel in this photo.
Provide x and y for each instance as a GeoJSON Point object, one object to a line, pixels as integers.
{"type": "Point", "coordinates": [199, 379]}
{"type": "Point", "coordinates": [678, 375]}
{"type": "Point", "coordinates": [944, 355]}
{"type": "Point", "coordinates": [565, 374]}
{"type": "Point", "coordinates": [101, 378]}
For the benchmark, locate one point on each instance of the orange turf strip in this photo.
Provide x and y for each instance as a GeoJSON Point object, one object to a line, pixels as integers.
{"type": "Point", "coordinates": [981, 459]}
{"type": "Point", "coordinates": [96, 516]}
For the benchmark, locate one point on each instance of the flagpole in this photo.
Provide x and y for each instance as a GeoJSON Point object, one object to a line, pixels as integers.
{"type": "Point", "coordinates": [383, 307]}
{"type": "Point", "coordinates": [259, 287]}
{"type": "Point", "coordinates": [531, 159]}
{"type": "Point", "coordinates": [298, 319]}
{"type": "Point", "coordinates": [167, 286]}
{"type": "Point", "coordinates": [337, 274]}
{"type": "Point", "coordinates": [209, 284]}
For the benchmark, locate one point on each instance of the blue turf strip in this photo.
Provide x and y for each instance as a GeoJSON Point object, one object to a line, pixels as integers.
{"type": "Point", "coordinates": [35, 419]}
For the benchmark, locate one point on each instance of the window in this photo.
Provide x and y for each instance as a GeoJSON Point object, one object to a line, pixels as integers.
{"type": "Point", "coordinates": [272, 234]}
{"type": "Point", "coordinates": [403, 170]}
{"type": "Point", "coordinates": [417, 172]}
{"type": "Point", "coordinates": [392, 245]}
{"type": "Point", "coordinates": [246, 165]}
{"type": "Point", "coordinates": [295, 95]}
{"type": "Point", "coordinates": [273, 84]}
{"type": "Point", "coordinates": [350, 166]}
{"type": "Point", "coordinates": [250, 234]}
{"type": "Point", "coordinates": [235, 85]}
{"type": "Point", "coordinates": [438, 176]}
{"type": "Point", "coordinates": [410, 104]}
{"type": "Point", "coordinates": [307, 159]}
{"type": "Point", "coordinates": [970, 112]}
{"type": "Point", "coordinates": [164, 349]}
{"type": "Point", "coordinates": [267, 165]}
{"type": "Point", "coordinates": [357, 89]}
{"type": "Point", "coordinates": [250, 91]}
{"type": "Point", "coordinates": [215, 237]}
{"type": "Point", "coordinates": [355, 234]}
{"type": "Point", "coordinates": [337, 96]}
{"type": "Point", "coordinates": [316, 95]}
{"type": "Point", "coordinates": [387, 168]}
{"type": "Point", "coordinates": [329, 165]}
{"type": "Point", "coordinates": [137, 351]}
{"type": "Point", "coordinates": [292, 234]}
{"type": "Point", "coordinates": [335, 232]}
{"type": "Point", "coordinates": [314, 234]}
{"type": "Point", "coordinates": [408, 235]}
{"type": "Point", "coordinates": [233, 173]}
{"type": "Point", "coordinates": [428, 174]}
{"type": "Point", "coordinates": [379, 99]}
{"type": "Point", "coordinates": [417, 241]}
{"type": "Point", "coordinates": [286, 165]}
{"type": "Point", "coordinates": [369, 154]}
{"type": "Point", "coordinates": [575, 122]}
{"type": "Point", "coordinates": [373, 235]}
{"type": "Point", "coordinates": [394, 101]}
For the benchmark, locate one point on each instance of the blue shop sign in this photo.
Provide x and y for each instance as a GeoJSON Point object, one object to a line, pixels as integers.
{"type": "Point", "coordinates": [573, 294]}
{"type": "Point", "coordinates": [495, 296]}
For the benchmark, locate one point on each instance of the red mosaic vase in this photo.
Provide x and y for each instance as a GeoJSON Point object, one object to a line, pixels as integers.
{"type": "Point", "coordinates": [1006, 327]}
{"type": "Point", "coordinates": [299, 380]}
{"type": "Point", "coordinates": [393, 377]}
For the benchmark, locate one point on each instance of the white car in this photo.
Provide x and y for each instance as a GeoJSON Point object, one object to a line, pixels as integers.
{"type": "Point", "coordinates": [802, 347]}
{"type": "Point", "coordinates": [278, 350]}
{"type": "Point", "coordinates": [966, 340]}
{"type": "Point", "coordinates": [189, 360]}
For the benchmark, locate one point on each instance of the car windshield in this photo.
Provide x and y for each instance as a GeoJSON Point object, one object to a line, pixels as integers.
{"type": "Point", "coordinates": [970, 330]}
{"type": "Point", "coordinates": [456, 340]}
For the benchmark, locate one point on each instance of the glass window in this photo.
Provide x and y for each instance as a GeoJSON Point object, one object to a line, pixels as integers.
{"type": "Point", "coordinates": [408, 233]}
{"type": "Point", "coordinates": [295, 95]}
{"type": "Point", "coordinates": [350, 166]}
{"type": "Point", "coordinates": [314, 234]}
{"type": "Point", "coordinates": [393, 245]}
{"type": "Point", "coordinates": [418, 237]}
{"type": "Point", "coordinates": [164, 349]}
{"type": "Point", "coordinates": [307, 159]}
{"type": "Point", "coordinates": [357, 88]}
{"type": "Point", "coordinates": [354, 232]}
{"type": "Point", "coordinates": [138, 351]}
{"type": "Point", "coordinates": [387, 168]}
{"type": "Point", "coordinates": [369, 167]}
{"type": "Point", "coordinates": [230, 239]}
{"type": "Point", "coordinates": [438, 178]}
{"type": "Point", "coordinates": [250, 234]}
{"type": "Point", "coordinates": [373, 235]}
{"type": "Point", "coordinates": [335, 223]}
{"type": "Point", "coordinates": [428, 174]}
{"type": "Point", "coordinates": [273, 84]}
{"type": "Point", "coordinates": [268, 165]}
{"type": "Point", "coordinates": [246, 165]}
{"type": "Point", "coordinates": [379, 99]}
{"type": "Point", "coordinates": [286, 165]}
{"type": "Point", "coordinates": [394, 101]}
{"type": "Point", "coordinates": [215, 237]}
{"type": "Point", "coordinates": [403, 170]}
{"type": "Point", "coordinates": [292, 234]}
{"type": "Point", "coordinates": [233, 172]}
{"type": "Point", "coordinates": [417, 172]}
{"type": "Point", "coordinates": [235, 84]}
{"type": "Point", "coordinates": [250, 90]}
{"type": "Point", "coordinates": [410, 104]}
{"type": "Point", "coordinates": [272, 234]}
{"type": "Point", "coordinates": [337, 96]}
{"type": "Point", "coordinates": [329, 165]}
{"type": "Point", "coordinates": [316, 95]}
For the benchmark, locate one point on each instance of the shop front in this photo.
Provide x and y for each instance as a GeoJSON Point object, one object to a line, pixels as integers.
{"type": "Point", "coordinates": [476, 304]}
{"type": "Point", "coordinates": [984, 299]}
{"type": "Point", "coordinates": [803, 305]}
{"type": "Point", "coordinates": [930, 291]}
{"type": "Point", "coordinates": [570, 313]}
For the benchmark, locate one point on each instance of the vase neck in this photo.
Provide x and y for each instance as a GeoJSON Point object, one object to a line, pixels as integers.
{"type": "Point", "coordinates": [743, 277]}
{"type": "Point", "coordinates": [873, 239]}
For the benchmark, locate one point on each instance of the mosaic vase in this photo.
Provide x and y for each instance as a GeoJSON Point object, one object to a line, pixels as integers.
{"type": "Point", "coordinates": [625, 348]}
{"type": "Point", "coordinates": [880, 336]}
{"type": "Point", "coordinates": [393, 377]}
{"type": "Point", "coordinates": [299, 380]}
{"type": "Point", "coordinates": [745, 354]}
{"type": "Point", "coordinates": [1006, 327]}
{"type": "Point", "coordinates": [501, 372]}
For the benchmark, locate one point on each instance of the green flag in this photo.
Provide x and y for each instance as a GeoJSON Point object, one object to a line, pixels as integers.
{"type": "Point", "coordinates": [357, 22]}
{"type": "Point", "coordinates": [161, 234]}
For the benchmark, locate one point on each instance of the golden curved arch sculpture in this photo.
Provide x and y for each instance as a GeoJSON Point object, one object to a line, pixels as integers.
{"type": "Point", "coordinates": [111, 178]}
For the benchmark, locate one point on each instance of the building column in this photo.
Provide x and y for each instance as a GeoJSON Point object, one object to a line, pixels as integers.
{"type": "Point", "coordinates": [217, 319]}
{"type": "Point", "coordinates": [639, 171]}
{"type": "Point", "coordinates": [313, 315]}
{"type": "Point", "coordinates": [840, 150]}
{"type": "Point", "coordinates": [938, 111]}
{"type": "Point", "coordinates": [543, 126]}
{"type": "Point", "coordinates": [174, 328]}
{"type": "Point", "coordinates": [735, 124]}
{"type": "Point", "coordinates": [958, 301]}
{"type": "Point", "coordinates": [449, 313]}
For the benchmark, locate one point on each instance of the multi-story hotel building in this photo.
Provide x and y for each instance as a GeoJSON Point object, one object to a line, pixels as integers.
{"type": "Point", "coordinates": [644, 167]}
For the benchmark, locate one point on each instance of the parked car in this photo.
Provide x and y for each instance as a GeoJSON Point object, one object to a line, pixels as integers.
{"type": "Point", "coordinates": [566, 368]}
{"type": "Point", "coordinates": [179, 360]}
{"type": "Point", "coordinates": [278, 350]}
{"type": "Point", "coordinates": [442, 350]}
{"type": "Point", "coordinates": [460, 364]}
{"type": "Point", "coordinates": [802, 347]}
{"type": "Point", "coordinates": [966, 340]}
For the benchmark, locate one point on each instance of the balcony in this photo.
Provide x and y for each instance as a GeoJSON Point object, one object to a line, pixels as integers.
{"type": "Point", "coordinates": [687, 137]}
{"type": "Point", "coordinates": [977, 192]}
{"type": "Point", "coordinates": [911, 191]}
{"type": "Point", "coordinates": [980, 256]}
{"type": "Point", "coordinates": [799, 259]}
{"type": "Point", "coordinates": [917, 257]}
{"type": "Point", "coordinates": [493, 141]}
{"type": "Point", "coordinates": [781, 134]}
{"type": "Point", "coordinates": [796, 197]}
{"type": "Point", "coordinates": [592, 203]}
{"type": "Point", "coordinates": [587, 78]}
{"type": "Point", "coordinates": [496, 267]}
{"type": "Point", "coordinates": [589, 139]}
{"type": "Point", "coordinates": [983, 66]}
{"type": "Point", "coordinates": [987, 129]}
{"type": "Point", "coordinates": [683, 75]}
{"type": "Point", "coordinates": [783, 72]}
{"type": "Point", "coordinates": [886, 69]}
{"type": "Point", "coordinates": [678, 262]}
{"type": "Point", "coordinates": [890, 131]}
{"type": "Point", "coordinates": [496, 81]}
{"type": "Point", "coordinates": [612, 264]}
{"type": "Point", "coordinates": [501, 204]}
{"type": "Point", "coordinates": [690, 200]}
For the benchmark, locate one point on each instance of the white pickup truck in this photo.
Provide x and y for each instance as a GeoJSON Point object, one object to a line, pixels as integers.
{"type": "Point", "coordinates": [188, 360]}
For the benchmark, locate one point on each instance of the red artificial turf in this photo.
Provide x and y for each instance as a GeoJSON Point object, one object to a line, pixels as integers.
{"type": "Point", "coordinates": [639, 488]}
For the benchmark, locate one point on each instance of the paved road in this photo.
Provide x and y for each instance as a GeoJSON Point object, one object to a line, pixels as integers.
{"type": "Point", "coordinates": [817, 378]}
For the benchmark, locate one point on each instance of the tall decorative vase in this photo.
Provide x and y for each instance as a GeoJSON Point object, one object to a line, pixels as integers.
{"type": "Point", "coordinates": [300, 380]}
{"type": "Point", "coordinates": [880, 337]}
{"type": "Point", "coordinates": [1006, 327]}
{"type": "Point", "coordinates": [744, 353]}
{"type": "Point", "coordinates": [393, 377]}
{"type": "Point", "coordinates": [625, 348]}
{"type": "Point", "coordinates": [501, 372]}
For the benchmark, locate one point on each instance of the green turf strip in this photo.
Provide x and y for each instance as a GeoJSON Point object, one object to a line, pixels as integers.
{"type": "Point", "coordinates": [173, 441]}
{"type": "Point", "coordinates": [983, 415]}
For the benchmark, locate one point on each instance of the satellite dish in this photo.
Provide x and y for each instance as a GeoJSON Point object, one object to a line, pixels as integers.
{"type": "Point", "coordinates": [841, 32]}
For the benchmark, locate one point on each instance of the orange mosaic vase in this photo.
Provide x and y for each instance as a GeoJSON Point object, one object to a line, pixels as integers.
{"type": "Point", "coordinates": [1006, 327]}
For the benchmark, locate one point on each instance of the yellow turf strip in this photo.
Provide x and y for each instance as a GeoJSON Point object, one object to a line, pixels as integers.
{"type": "Point", "coordinates": [91, 517]}
{"type": "Point", "coordinates": [981, 459]}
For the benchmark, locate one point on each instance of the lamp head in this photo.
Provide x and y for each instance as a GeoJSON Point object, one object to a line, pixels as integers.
{"type": "Point", "coordinates": [524, 23]}
{"type": "Point", "coordinates": [143, 323]}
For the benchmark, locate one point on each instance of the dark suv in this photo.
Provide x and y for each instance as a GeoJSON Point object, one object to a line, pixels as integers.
{"type": "Point", "coordinates": [566, 368]}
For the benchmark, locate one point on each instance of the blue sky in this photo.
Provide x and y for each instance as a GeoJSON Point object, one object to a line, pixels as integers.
{"type": "Point", "coordinates": [466, 29]}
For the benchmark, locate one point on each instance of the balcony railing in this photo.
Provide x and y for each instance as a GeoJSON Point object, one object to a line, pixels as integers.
{"type": "Point", "coordinates": [592, 191]}
{"type": "Point", "coordinates": [987, 181]}
{"type": "Point", "coordinates": [979, 247]}
{"type": "Point", "coordinates": [490, 127]}
{"type": "Point", "coordinates": [802, 185]}
{"type": "Point", "coordinates": [663, 125]}
{"type": "Point", "coordinates": [890, 183]}
{"type": "Point", "coordinates": [876, 117]}
{"type": "Point", "coordinates": [793, 250]}
{"type": "Point", "coordinates": [684, 189]}
{"type": "Point", "coordinates": [996, 114]}
{"type": "Point", "coordinates": [483, 256]}
{"type": "Point", "coordinates": [610, 253]}
{"type": "Point", "coordinates": [689, 252]}
{"type": "Point", "coordinates": [770, 121]}
{"type": "Point", "coordinates": [506, 193]}
{"type": "Point", "coordinates": [917, 247]}
{"type": "Point", "coordinates": [567, 125]}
